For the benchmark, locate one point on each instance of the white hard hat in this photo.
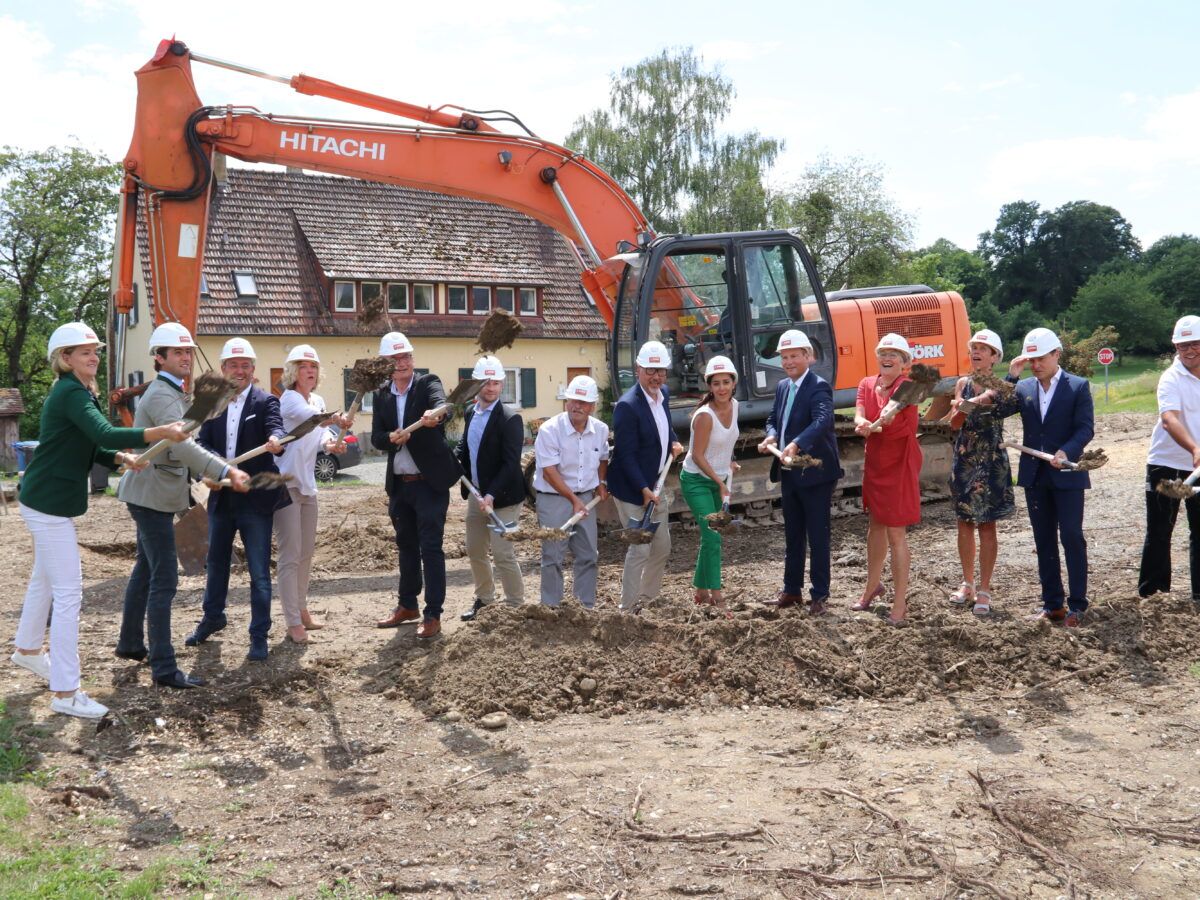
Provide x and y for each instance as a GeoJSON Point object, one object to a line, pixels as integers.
{"type": "Point", "coordinates": [794, 339]}
{"type": "Point", "coordinates": [720, 365]}
{"type": "Point", "coordinates": [237, 348]}
{"type": "Point", "coordinates": [1186, 329]}
{"type": "Point", "coordinates": [303, 353]}
{"type": "Point", "coordinates": [394, 342]}
{"type": "Point", "coordinates": [1039, 342]}
{"type": "Point", "coordinates": [583, 387]}
{"type": "Point", "coordinates": [170, 334]}
{"type": "Point", "coordinates": [488, 368]}
{"type": "Point", "coordinates": [653, 355]}
{"type": "Point", "coordinates": [895, 342]}
{"type": "Point", "coordinates": [988, 338]}
{"type": "Point", "coordinates": [73, 334]}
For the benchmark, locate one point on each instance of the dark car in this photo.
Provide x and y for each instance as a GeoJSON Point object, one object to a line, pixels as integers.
{"type": "Point", "coordinates": [328, 465]}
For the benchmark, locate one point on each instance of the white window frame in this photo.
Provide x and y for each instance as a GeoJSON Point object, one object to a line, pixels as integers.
{"type": "Point", "coordinates": [368, 403]}
{"type": "Point", "coordinates": [521, 310]}
{"type": "Point", "coordinates": [432, 299]}
{"type": "Point", "coordinates": [512, 297]}
{"type": "Point", "coordinates": [239, 284]}
{"type": "Point", "coordinates": [337, 286]}
{"type": "Point", "coordinates": [466, 299]}
{"type": "Point", "coordinates": [515, 376]}
{"type": "Point", "coordinates": [405, 306]}
{"type": "Point", "coordinates": [480, 287]}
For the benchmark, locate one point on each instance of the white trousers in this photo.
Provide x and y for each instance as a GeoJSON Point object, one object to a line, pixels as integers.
{"type": "Point", "coordinates": [56, 582]}
{"type": "Point", "coordinates": [296, 533]}
{"type": "Point", "coordinates": [480, 539]}
{"type": "Point", "coordinates": [642, 578]}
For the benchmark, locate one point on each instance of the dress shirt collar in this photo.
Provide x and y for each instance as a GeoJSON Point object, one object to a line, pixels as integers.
{"type": "Point", "coordinates": [650, 399]}
{"type": "Point", "coordinates": [396, 392]}
{"type": "Point", "coordinates": [167, 376]}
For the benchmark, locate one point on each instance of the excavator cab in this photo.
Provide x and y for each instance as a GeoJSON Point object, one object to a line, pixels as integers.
{"type": "Point", "coordinates": [726, 294]}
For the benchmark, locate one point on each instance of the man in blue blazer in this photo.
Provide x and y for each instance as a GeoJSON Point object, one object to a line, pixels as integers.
{"type": "Point", "coordinates": [251, 420]}
{"type": "Point", "coordinates": [643, 442]}
{"type": "Point", "coordinates": [801, 420]}
{"type": "Point", "coordinates": [1056, 414]}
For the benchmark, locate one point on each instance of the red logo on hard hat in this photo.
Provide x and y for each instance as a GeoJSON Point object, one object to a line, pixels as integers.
{"type": "Point", "coordinates": [1030, 348]}
{"type": "Point", "coordinates": [91, 336]}
{"type": "Point", "coordinates": [236, 350]}
{"type": "Point", "coordinates": [308, 355]}
{"type": "Point", "coordinates": [1187, 332]}
{"type": "Point", "coordinates": [581, 392]}
{"type": "Point", "coordinates": [397, 346]}
{"type": "Point", "coordinates": [655, 359]}
{"type": "Point", "coordinates": [489, 371]}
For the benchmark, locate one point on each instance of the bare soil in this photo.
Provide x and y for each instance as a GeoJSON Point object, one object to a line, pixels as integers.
{"type": "Point", "coordinates": [676, 753]}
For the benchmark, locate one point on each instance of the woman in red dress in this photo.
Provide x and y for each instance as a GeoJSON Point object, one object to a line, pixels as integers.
{"type": "Point", "coordinates": [891, 489]}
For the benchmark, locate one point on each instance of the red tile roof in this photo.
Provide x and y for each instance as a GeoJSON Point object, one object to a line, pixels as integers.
{"type": "Point", "coordinates": [11, 403]}
{"type": "Point", "coordinates": [297, 232]}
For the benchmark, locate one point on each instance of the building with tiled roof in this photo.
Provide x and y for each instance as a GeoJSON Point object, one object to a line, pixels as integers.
{"type": "Point", "coordinates": [293, 258]}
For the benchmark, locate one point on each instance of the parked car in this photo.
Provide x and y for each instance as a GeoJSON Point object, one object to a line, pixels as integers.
{"type": "Point", "coordinates": [328, 465]}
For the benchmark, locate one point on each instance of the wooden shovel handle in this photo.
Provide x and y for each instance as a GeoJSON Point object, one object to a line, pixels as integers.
{"type": "Point", "coordinates": [574, 520]}
{"type": "Point", "coordinates": [441, 410]}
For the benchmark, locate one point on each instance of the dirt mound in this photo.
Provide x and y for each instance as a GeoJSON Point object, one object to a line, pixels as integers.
{"type": "Point", "coordinates": [366, 543]}
{"type": "Point", "coordinates": [534, 662]}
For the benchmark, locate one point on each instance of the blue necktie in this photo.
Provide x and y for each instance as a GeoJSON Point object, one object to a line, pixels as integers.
{"type": "Point", "coordinates": [787, 414]}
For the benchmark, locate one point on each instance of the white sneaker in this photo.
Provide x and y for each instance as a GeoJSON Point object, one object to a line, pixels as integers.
{"type": "Point", "coordinates": [39, 665]}
{"type": "Point", "coordinates": [79, 704]}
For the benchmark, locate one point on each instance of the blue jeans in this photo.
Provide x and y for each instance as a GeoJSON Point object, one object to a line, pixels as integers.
{"type": "Point", "coordinates": [151, 590]}
{"type": "Point", "coordinates": [418, 514]}
{"type": "Point", "coordinates": [255, 529]}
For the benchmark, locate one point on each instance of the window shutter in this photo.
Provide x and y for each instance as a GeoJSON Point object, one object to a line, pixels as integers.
{"type": "Point", "coordinates": [528, 388]}
{"type": "Point", "coordinates": [346, 389]}
{"type": "Point", "coordinates": [464, 374]}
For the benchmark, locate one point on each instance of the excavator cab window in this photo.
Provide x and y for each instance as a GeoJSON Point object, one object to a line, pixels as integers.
{"type": "Point", "coordinates": [691, 315]}
{"type": "Point", "coordinates": [780, 296]}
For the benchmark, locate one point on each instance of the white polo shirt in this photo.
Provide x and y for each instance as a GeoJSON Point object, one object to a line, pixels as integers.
{"type": "Point", "coordinates": [577, 454]}
{"type": "Point", "coordinates": [1178, 391]}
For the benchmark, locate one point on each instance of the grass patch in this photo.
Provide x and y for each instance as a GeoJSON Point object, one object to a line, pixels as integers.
{"type": "Point", "coordinates": [341, 483]}
{"type": "Point", "coordinates": [16, 763]}
{"type": "Point", "coordinates": [1194, 670]}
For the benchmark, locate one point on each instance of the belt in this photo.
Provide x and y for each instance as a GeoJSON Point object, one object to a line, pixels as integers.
{"type": "Point", "coordinates": [557, 494]}
{"type": "Point", "coordinates": [411, 477]}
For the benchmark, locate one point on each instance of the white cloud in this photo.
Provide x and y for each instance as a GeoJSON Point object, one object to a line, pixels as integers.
{"type": "Point", "coordinates": [737, 51]}
{"type": "Point", "coordinates": [1007, 81]}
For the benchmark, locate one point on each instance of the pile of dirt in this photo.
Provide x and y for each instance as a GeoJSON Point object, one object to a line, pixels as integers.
{"type": "Point", "coordinates": [534, 662]}
{"type": "Point", "coordinates": [365, 544]}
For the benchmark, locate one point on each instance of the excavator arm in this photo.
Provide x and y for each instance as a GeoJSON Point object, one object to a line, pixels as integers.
{"type": "Point", "coordinates": [169, 165]}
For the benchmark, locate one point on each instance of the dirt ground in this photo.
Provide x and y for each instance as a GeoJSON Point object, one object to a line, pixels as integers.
{"type": "Point", "coordinates": [679, 753]}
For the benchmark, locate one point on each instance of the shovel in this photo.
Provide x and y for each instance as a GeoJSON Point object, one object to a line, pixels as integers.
{"type": "Point", "coordinates": [263, 481]}
{"type": "Point", "coordinates": [568, 527]}
{"type": "Point", "coordinates": [212, 394]}
{"type": "Point", "coordinates": [1179, 490]}
{"type": "Point", "coordinates": [464, 392]}
{"type": "Point", "coordinates": [906, 395]}
{"type": "Point", "coordinates": [295, 434]}
{"type": "Point", "coordinates": [498, 525]}
{"type": "Point", "coordinates": [1088, 460]}
{"type": "Point", "coordinates": [722, 521]}
{"type": "Point", "coordinates": [641, 531]}
{"type": "Point", "coordinates": [803, 461]}
{"type": "Point", "coordinates": [367, 376]}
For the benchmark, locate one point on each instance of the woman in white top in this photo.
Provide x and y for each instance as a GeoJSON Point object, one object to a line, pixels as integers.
{"type": "Point", "coordinates": [296, 524]}
{"type": "Point", "coordinates": [707, 468]}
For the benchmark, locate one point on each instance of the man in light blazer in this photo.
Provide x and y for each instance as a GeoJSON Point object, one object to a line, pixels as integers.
{"type": "Point", "coordinates": [643, 442]}
{"type": "Point", "coordinates": [155, 495]}
{"type": "Point", "coordinates": [801, 421]}
{"type": "Point", "coordinates": [1057, 417]}
{"type": "Point", "coordinates": [251, 420]}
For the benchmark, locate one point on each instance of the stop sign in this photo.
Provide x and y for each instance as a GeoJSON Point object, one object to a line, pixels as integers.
{"type": "Point", "coordinates": [1105, 356]}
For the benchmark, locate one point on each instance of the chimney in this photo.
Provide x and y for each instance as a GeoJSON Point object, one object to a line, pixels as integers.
{"type": "Point", "coordinates": [220, 170]}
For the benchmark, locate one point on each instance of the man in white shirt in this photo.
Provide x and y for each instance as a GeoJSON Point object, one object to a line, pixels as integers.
{"type": "Point", "coordinates": [571, 453]}
{"type": "Point", "coordinates": [1174, 453]}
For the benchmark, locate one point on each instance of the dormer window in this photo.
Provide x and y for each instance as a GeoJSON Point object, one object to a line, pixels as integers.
{"type": "Point", "coordinates": [245, 285]}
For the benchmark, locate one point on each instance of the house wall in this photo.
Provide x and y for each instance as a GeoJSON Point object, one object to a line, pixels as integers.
{"type": "Point", "coordinates": [550, 360]}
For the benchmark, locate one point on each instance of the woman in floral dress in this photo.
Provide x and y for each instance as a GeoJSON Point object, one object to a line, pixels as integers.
{"type": "Point", "coordinates": [981, 480]}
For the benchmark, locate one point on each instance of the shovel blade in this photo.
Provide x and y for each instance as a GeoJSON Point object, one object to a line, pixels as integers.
{"type": "Point", "coordinates": [465, 391]}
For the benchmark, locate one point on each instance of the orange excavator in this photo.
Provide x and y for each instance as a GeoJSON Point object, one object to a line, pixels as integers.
{"type": "Point", "coordinates": [732, 294]}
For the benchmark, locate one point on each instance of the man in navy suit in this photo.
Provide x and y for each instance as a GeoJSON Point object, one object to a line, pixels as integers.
{"type": "Point", "coordinates": [420, 470]}
{"type": "Point", "coordinates": [802, 421]}
{"type": "Point", "coordinates": [643, 442]}
{"type": "Point", "coordinates": [1056, 414]}
{"type": "Point", "coordinates": [251, 420]}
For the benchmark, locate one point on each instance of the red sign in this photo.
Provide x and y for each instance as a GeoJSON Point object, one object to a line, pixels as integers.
{"type": "Point", "coordinates": [1105, 356]}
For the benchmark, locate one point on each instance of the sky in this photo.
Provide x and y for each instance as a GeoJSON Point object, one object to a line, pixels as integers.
{"type": "Point", "coordinates": [964, 106]}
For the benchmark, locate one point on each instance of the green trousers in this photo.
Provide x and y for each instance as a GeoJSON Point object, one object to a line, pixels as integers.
{"type": "Point", "coordinates": [703, 496]}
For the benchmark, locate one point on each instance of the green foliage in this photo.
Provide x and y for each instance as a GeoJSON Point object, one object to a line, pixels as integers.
{"type": "Point", "coordinates": [660, 139]}
{"type": "Point", "coordinates": [1172, 268]}
{"type": "Point", "coordinates": [1017, 322]}
{"type": "Point", "coordinates": [854, 230]}
{"type": "Point", "coordinates": [16, 763]}
{"type": "Point", "coordinates": [1126, 300]}
{"type": "Point", "coordinates": [1079, 354]}
{"type": "Point", "coordinates": [57, 215]}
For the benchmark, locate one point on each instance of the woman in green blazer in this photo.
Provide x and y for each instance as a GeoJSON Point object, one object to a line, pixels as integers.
{"type": "Point", "coordinates": [74, 435]}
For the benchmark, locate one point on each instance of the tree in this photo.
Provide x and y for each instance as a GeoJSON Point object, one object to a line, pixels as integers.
{"type": "Point", "coordinates": [660, 139]}
{"type": "Point", "coordinates": [1172, 267]}
{"type": "Point", "coordinates": [1124, 300]}
{"type": "Point", "coordinates": [1073, 242]}
{"type": "Point", "coordinates": [1010, 251]}
{"type": "Point", "coordinates": [57, 215]}
{"type": "Point", "coordinates": [854, 230]}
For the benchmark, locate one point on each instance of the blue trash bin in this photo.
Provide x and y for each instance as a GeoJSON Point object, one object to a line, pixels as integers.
{"type": "Point", "coordinates": [25, 451]}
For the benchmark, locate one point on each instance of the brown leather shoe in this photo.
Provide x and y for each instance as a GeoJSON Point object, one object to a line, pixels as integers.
{"type": "Point", "coordinates": [817, 607]}
{"type": "Point", "coordinates": [784, 600]}
{"type": "Point", "coordinates": [399, 616]}
{"type": "Point", "coordinates": [1053, 616]}
{"type": "Point", "coordinates": [429, 628]}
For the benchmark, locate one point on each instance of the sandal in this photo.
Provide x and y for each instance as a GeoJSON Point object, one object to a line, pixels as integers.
{"type": "Point", "coordinates": [865, 604]}
{"type": "Point", "coordinates": [702, 597]}
{"type": "Point", "coordinates": [983, 604]}
{"type": "Point", "coordinates": [900, 622]}
{"type": "Point", "coordinates": [964, 595]}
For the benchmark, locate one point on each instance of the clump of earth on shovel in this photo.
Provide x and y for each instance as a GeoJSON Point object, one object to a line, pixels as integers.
{"type": "Point", "coordinates": [1091, 459]}
{"type": "Point", "coordinates": [989, 382]}
{"type": "Point", "coordinates": [370, 374]}
{"type": "Point", "coordinates": [1176, 489]}
{"type": "Point", "coordinates": [923, 374]}
{"type": "Point", "coordinates": [719, 521]}
{"type": "Point", "coordinates": [538, 533]}
{"type": "Point", "coordinates": [635, 535]}
{"type": "Point", "coordinates": [499, 330]}
{"type": "Point", "coordinates": [800, 461]}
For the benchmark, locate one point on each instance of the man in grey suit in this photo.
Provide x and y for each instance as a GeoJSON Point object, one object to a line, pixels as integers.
{"type": "Point", "coordinates": [155, 495]}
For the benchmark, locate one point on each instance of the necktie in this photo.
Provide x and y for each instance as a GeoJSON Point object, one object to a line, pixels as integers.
{"type": "Point", "coordinates": [787, 414]}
